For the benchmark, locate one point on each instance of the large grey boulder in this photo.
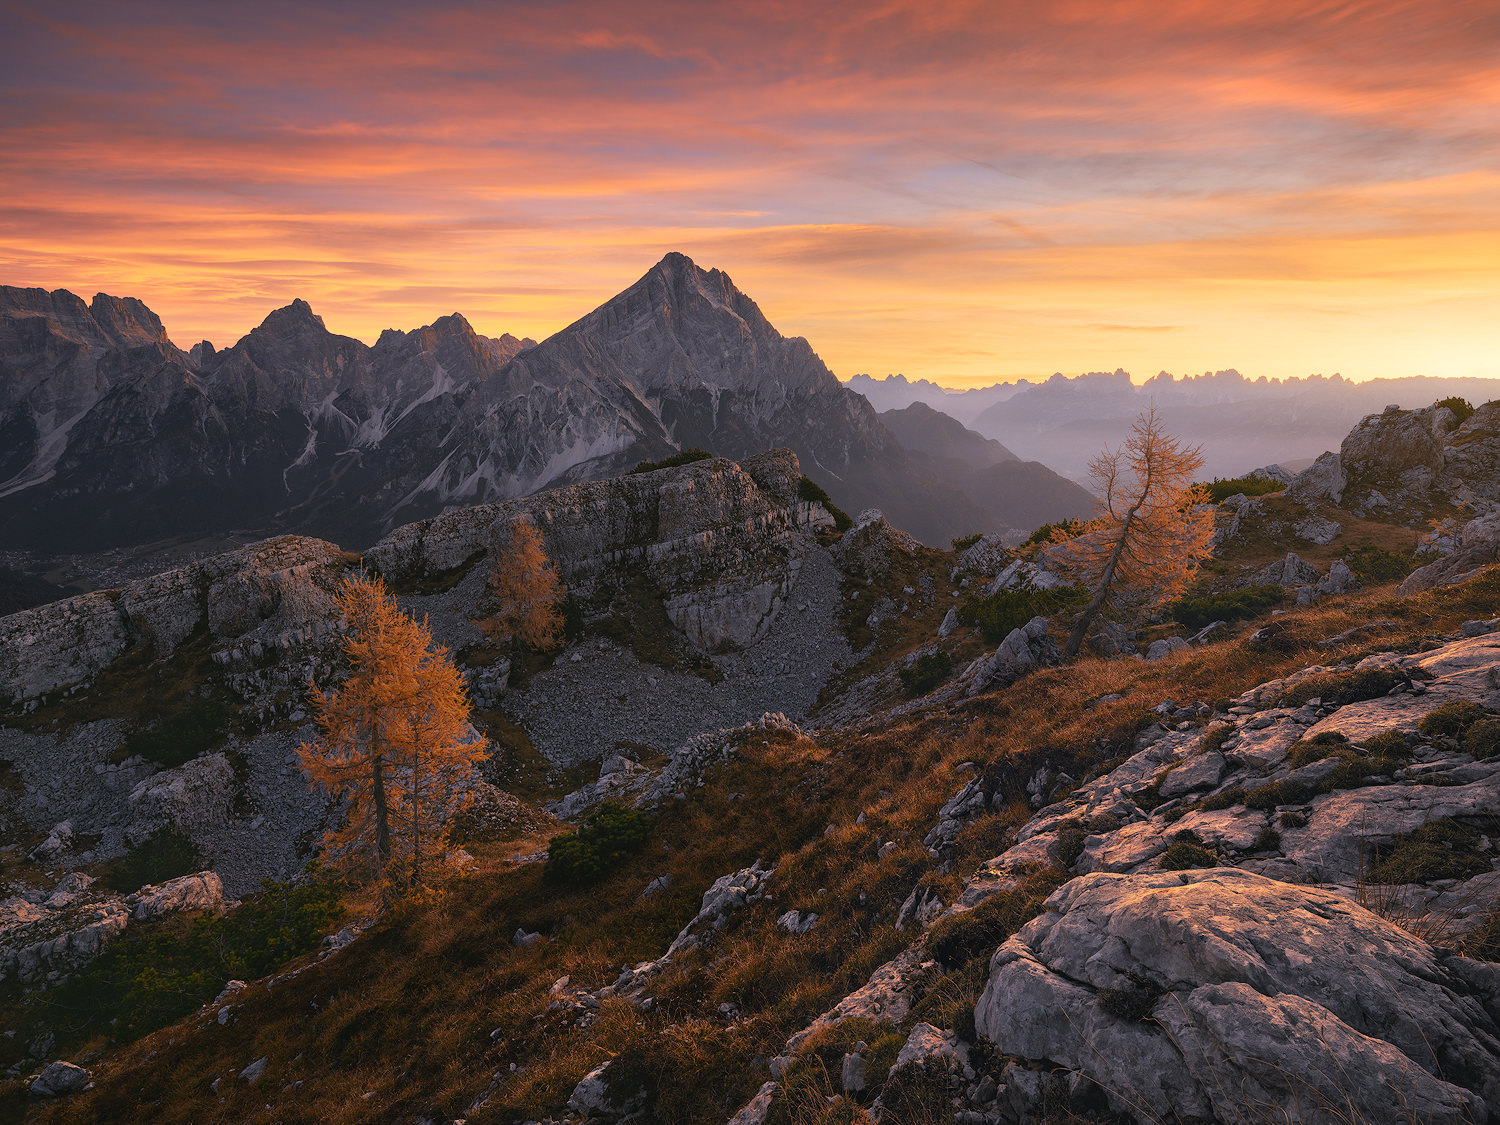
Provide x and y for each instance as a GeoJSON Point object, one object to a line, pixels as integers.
{"type": "Point", "coordinates": [1324, 479]}
{"type": "Point", "coordinates": [1195, 994]}
{"type": "Point", "coordinates": [1476, 546]}
{"type": "Point", "coordinates": [1024, 649]}
{"type": "Point", "coordinates": [1316, 529]}
{"type": "Point", "coordinates": [1160, 650]}
{"type": "Point", "coordinates": [194, 798]}
{"type": "Point", "coordinates": [59, 1078]}
{"type": "Point", "coordinates": [1290, 571]}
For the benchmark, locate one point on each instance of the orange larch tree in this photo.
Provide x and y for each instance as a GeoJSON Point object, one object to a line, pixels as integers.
{"type": "Point", "coordinates": [526, 590]}
{"type": "Point", "coordinates": [1153, 528]}
{"type": "Point", "coordinates": [396, 743]}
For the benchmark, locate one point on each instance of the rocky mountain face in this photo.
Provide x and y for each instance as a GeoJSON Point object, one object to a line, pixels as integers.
{"type": "Point", "coordinates": [1239, 422]}
{"type": "Point", "coordinates": [723, 550]}
{"type": "Point", "coordinates": [114, 436]}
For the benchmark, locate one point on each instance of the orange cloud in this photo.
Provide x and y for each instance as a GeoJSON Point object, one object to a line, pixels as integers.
{"type": "Point", "coordinates": [964, 191]}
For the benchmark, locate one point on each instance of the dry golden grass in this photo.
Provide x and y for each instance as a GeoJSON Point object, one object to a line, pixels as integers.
{"type": "Point", "coordinates": [426, 1014]}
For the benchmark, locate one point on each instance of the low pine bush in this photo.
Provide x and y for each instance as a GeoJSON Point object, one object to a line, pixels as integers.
{"type": "Point", "coordinates": [1221, 489]}
{"type": "Point", "coordinates": [814, 493]}
{"type": "Point", "coordinates": [929, 670]}
{"type": "Point", "coordinates": [1234, 605]}
{"type": "Point", "coordinates": [1005, 610]}
{"type": "Point", "coordinates": [685, 457]}
{"type": "Point", "coordinates": [609, 834]}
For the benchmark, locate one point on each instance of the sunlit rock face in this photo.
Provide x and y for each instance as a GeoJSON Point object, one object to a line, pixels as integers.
{"type": "Point", "coordinates": [114, 436]}
{"type": "Point", "coordinates": [1201, 992]}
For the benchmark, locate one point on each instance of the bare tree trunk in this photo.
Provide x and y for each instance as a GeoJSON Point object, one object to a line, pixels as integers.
{"type": "Point", "coordinates": [382, 819]}
{"type": "Point", "coordinates": [1075, 638]}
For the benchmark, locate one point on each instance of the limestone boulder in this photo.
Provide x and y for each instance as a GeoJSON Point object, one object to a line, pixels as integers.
{"type": "Point", "coordinates": [1023, 650]}
{"type": "Point", "coordinates": [1323, 480]}
{"type": "Point", "coordinates": [1290, 571]}
{"type": "Point", "coordinates": [193, 798]}
{"type": "Point", "coordinates": [869, 547]}
{"type": "Point", "coordinates": [60, 1078]}
{"type": "Point", "coordinates": [1317, 529]}
{"type": "Point", "coordinates": [1193, 994]}
{"type": "Point", "coordinates": [1476, 546]}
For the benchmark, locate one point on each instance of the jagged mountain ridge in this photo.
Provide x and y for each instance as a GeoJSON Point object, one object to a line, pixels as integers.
{"type": "Point", "coordinates": [1241, 423]}
{"type": "Point", "coordinates": [295, 428]}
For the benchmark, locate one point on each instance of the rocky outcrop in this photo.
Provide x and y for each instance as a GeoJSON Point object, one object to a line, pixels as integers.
{"type": "Point", "coordinates": [194, 798]}
{"type": "Point", "coordinates": [1324, 479]}
{"type": "Point", "coordinates": [44, 936]}
{"type": "Point", "coordinates": [1199, 993]}
{"type": "Point", "coordinates": [1475, 546]}
{"type": "Point", "coordinates": [728, 895]}
{"type": "Point", "coordinates": [1399, 461]}
{"type": "Point", "coordinates": [1290, 571]}
{"type": "Point", "coordinates": [1023, 650]}
{"type": "Point", "coordinates": [718, 538]}
{"type": "Point", "coordinates": [274, 595]}
{"type": "Point", "coordinates": [870, 547]}
{"type": "Point", "coordinates": [1262, 907]}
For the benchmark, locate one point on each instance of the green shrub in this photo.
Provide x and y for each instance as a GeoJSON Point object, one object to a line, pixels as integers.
{"type": "Point", "coordinates": [1343, 688]}
{"type": "Point", "coordinates": [1293, 820]}
{"type": "Point", "coordinates": [685, 457]}
{"type": "Point", "coordinates": [1374, 565]}
{"type": "Point", "coordinates": [930, 669]}
{"type": "Point", "coordinates": [180, 735]}
{"type": "Point", "coordinates": [609, 834]}
{"type": "Point", "coordinates": [1234, 605]}
{"type": "Point", "coordinates": [1221, 489]}
{"type": "Point", "coordinates": [964, 542]}
{"type": "Point", "coordinates": [811, 491]}
{"type": "Point", "coordinates": [1070, 529]}
{"type": "Point", "coordinates": [1187, 851]}
{"type": "Point", "coordinates": [1451, 720]}
{"type": "Point", "coordinates": [1133, 1004]}
{"type": "Point", "coordinates": [156, 975]}
{"type": "Point", "coordinates": [165, 854]}
{"type": "Point", "coordinates": [1005, 610]}
{"type": "Point", "coordinates": [1268, 840]}
{"type": "Point", "coordinates": [1482, 740]}
{"type": "Point", "coordinates": [957, 940]}
{"type": "Point", "coordinates": [1440, 849]}
{"type": "Point", "coordinates": [1461, 407]}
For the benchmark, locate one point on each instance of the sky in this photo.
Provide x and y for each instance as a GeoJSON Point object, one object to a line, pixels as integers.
{"type": "Point", "coordinates": [964, 192]}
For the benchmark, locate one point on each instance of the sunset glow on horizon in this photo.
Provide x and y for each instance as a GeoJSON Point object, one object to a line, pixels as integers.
{"type": "Point", "coordinates": [965, 192]}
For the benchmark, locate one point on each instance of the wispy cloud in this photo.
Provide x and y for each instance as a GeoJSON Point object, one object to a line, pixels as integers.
{"type": "Point", "coordinates": [962, 191]}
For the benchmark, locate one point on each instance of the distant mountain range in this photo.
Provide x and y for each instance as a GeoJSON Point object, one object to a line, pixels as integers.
{"type": "Point", "coordinates": [1240, 423]}
{"type": "Point", "coordinates": [112, 435]}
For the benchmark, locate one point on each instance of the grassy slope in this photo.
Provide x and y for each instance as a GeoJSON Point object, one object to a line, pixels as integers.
{"type": "Point", "coordinates": [417, 1017]}
{"type": "Point", "coordinates": [424, 1012]}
